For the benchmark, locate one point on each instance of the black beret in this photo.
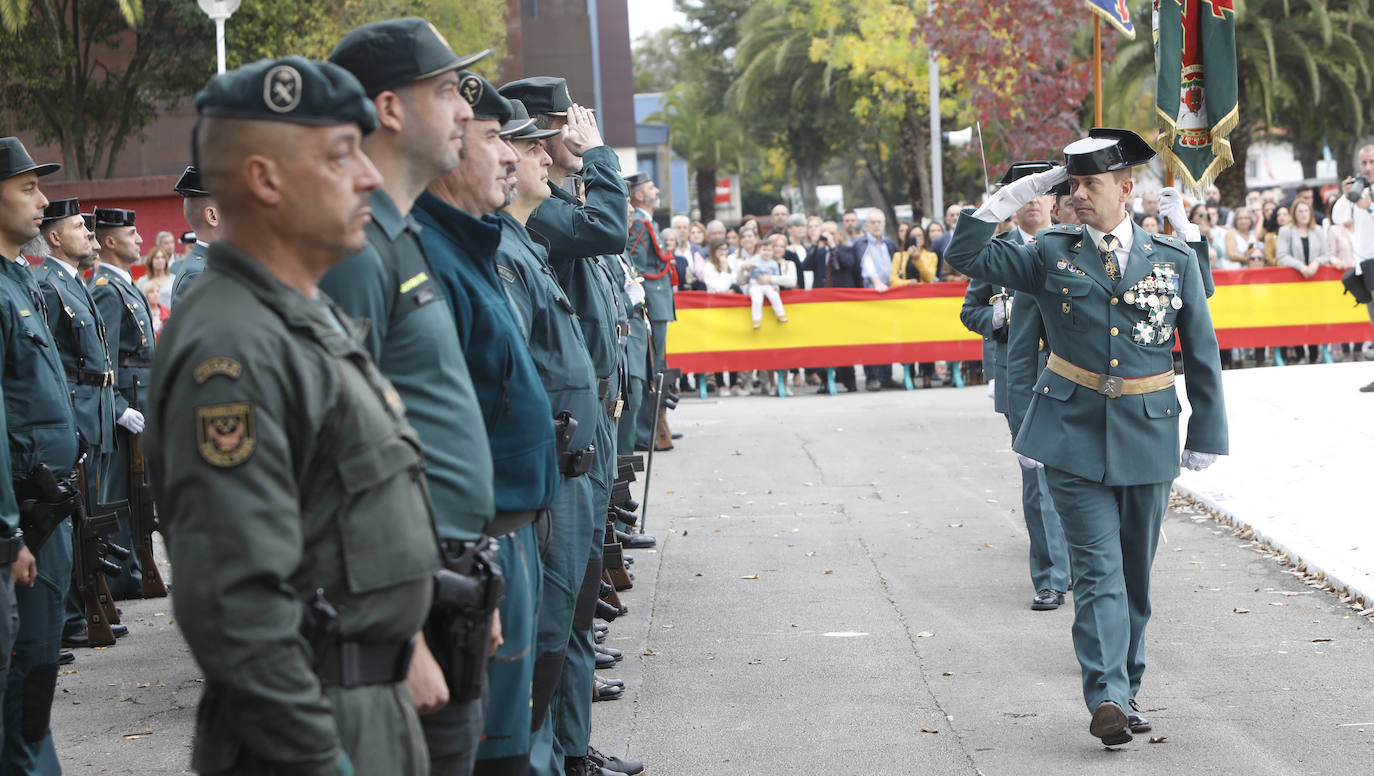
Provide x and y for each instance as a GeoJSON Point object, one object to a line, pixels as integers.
{"type": "Point", "coordinates": [189, 184]}
{"type": "Point", "coordinates": [291, 89]}
{"type": "Point", "coordinates": [109, 217]}
{"type": "Point", "coordinates": [542, 94]}
{"type": "Point", "coordinates": [1106, 149]}
{"type": "Point", "coordinates": [15, 160]}
{"type": "Point", "coordinates": [395, 52]}
{"type": "Point", "coordinates": [61, 208]}
{"type": "Point", "coordinates": [1019, 170]}
{"type": "Point", "coordinates": [525, 128]}
{"type": "Point", "coordinates": [487, 103]}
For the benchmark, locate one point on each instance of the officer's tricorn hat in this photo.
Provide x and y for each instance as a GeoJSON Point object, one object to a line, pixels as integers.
{"type": "Point", "coordinates": [636, 178]}
{"type": "Point", "coordinates": [89, 219]}
{"type": "Point", "coordinates": [292, 89]}
{"type": "Point", "coordinates": [189, 185]}
{"type": "Point", "coordinates": [1106, 149]}
{"type": "Point", "coordinates": [15, 160]}
{"type": "Point", "coordinates": [1019, 170]}
{"type": "Point", "coordinates": [111, 217]}
{"type": "Point", "coordinates": [526, 129]}
{"type": "Point", "coordinates": [547, 95]}
{"type": "Point", "coordinates": [395, 52]}
{"type": "Point", "coordinates": [62, 208]}
{"type": "Point", "coordinates": [487, 103]}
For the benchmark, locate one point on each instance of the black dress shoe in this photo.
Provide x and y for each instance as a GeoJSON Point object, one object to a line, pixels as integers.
{"type": "Point", "coordinates": [605, 611]}
{"type": "Point", "coordinates": [80, 639]}
{"type": "Point", "coordinates": [614, 653]}
{"type": "Point", "coordinates": [604, 661]}
{"type": "Point", "coordinates": [1137, 720]}
{"type": "Point", "coordinates": [1046, 600]}
{"type": "Point", "coordinates": [677, 435]}
{"type": "Point", "coordinates": [635, 541]}
{"type": "Point", "coordinates": [119, 631]}
{"type": "Point", "coordinates": [615, 764]}
{"type": "Point", "coordinates": [641, 448]}
{"type": "Point", "coordinates": [605, 692]}
{"type": "Point", "coordinates": [600, 627]}
{"type": "Point", "coordinates": [611, 682]}
{"type": "Point", "coordinates": [66, 657]}
{"type": "Point", "coordinates": [1109, 724]}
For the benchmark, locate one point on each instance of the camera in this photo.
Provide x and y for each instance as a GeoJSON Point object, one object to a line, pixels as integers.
{"type": "Point", "coordinates": [1357, 188]}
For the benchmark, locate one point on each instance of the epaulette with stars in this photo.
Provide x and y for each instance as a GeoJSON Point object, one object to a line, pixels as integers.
{"type": "Point", "coordinates": [1171, 241]}
{"type": "Point", "coordinates": [1067, 230]}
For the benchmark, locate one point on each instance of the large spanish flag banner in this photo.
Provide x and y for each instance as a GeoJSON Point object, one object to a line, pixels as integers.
{"type": "Point", "coordinates": [1268, 307]}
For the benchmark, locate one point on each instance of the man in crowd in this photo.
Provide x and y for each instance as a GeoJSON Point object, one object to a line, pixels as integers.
{"type": "Point", "coordinates": [849, 220]}
{"type": "Point", "coordinates": [315, 568]}
{"type": "Point", "coordinates": [987, 310]}
{"type": "Point", "coordinates": [1212, 196]}
{"type": "Point", "coordinates": [1149, 206]}
{"type": "Point", "coordinates": [777, 221]}
{"type": "Point", "coordinates": [202, 215]}
{"type": "Point", "coordinates": [873, 252]}
{"type": "Point", "coordinates": [461, 234]}
{"type": "Point", "coordinates": [421, 120]}
{"type": "Point", "coordinates": [951, 218]}
{"type": "Point", "coordinates": [1107, 439]}
{"type": "Point", "coordinates": [1355, 210]}
{"type": "Point", "coordinates": [130, 338]}
{"type": "Point", "coordinates": [35, 562]}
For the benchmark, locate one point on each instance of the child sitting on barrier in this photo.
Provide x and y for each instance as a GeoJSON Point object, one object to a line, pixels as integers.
{"type": "Point", "coordinates": [764, 270]}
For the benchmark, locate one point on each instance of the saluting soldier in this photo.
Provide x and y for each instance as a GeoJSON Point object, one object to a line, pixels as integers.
{"type": "Point", "coordinates": [40, 426]}
{"type": "Point", "coordinates": [202, 215]}
{"type": "Point", "coordinates": [660, 278]}
{"type": "Point", "coordinates": [1104, 419]}
{"type": "Point", "coordinates": [987, 310]}
{"type": "Point", "coordinates": [289, 485]}
{"type": "Point", "coordinates": [130, 338]}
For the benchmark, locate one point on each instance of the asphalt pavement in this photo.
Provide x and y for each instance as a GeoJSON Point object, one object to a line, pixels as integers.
{"type": "Point", "coordinates": [840, 587]}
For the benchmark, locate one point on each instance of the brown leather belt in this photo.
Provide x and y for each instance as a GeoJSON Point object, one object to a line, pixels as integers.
{"type": "Point", "coordinates": [1111, 386]}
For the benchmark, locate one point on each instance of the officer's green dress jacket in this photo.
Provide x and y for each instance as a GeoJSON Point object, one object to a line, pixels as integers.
{"type": "Point", "coordinates": [129, 335]}
{"type": "Point", "coordinates": [552, 328]}
{"type": "Point", "coordinates": [282, 463]}
{"type": "Point", "coordinates": [412, 339]}
{"type": "Point", "coordinates": [79, 332]}
{"type": "Point", "coordinates": [190, 270]}
{"type": "Point", "coordinates": [976, 315]}
{"type": "Point", "coordinates": [640, 252]}
{"type": "Point", "coordinates": [515, 407]}
{"type": "Point", "coordinates": [577, 230]}
{"type": "Point", "coordinates": [1133, 439]}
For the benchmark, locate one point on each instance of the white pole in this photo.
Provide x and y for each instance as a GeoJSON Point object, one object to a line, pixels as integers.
{"type": "Point", "coordinates": [219, 40]}
{"type": "Point", "coordinates": [937, 174]}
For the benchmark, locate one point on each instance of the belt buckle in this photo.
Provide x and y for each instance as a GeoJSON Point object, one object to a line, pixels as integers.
{"type": "Point", "coordinates": [1110, 386]}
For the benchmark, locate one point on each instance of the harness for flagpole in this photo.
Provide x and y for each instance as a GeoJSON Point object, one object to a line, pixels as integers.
{"type": "Point", "coordinates": [669, 266]}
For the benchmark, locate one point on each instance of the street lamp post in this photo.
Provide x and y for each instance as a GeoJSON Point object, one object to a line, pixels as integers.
{"type": "Point", "coordinates": [220, 11]}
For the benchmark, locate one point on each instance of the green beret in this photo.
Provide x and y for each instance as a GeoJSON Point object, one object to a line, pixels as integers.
{"type": "Point", "coordinates": [395, 52]}
{"type": "Point", "coordinates": [291, 89]}
{"type": "Point", "coordinates": [487, 103]}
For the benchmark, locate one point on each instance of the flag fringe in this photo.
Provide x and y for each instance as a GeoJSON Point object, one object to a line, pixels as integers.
{"type": "Point", "coordinates": [1222, 156]}
{"type": "Point", "coordinates": [1112, 20]}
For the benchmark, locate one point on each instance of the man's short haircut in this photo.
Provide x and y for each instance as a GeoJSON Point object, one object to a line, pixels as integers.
{"type": "Point", "coordinates": [796, 219]}
{"type": "Point", "coordinates": [849, 212]}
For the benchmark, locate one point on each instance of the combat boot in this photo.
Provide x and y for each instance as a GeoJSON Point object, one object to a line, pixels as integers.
{"type": "Point", "coordinates": [615, 764]}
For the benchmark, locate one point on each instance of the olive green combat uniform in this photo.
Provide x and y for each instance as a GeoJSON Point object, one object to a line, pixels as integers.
{"type": "Point", "coordinates": [282, 465]}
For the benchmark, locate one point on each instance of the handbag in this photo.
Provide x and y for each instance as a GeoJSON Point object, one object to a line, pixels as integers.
{"type": "Point", "coordinates": [1360, 286]}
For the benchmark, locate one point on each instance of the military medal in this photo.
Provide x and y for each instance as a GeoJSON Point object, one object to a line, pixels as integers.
{"type": "Point", "coordinates": [1128, 297]}
{"type": "Point", "coordinates": [1157, 316]}
{"type": "Point", "coordinates": [1143, 333]}
{"type": "Point", "coordinates": [1176, 303]}
{"type": "Point", "coordinates": [1165, 331]}
{"type": "Point", "coordinates": [1062, 264]}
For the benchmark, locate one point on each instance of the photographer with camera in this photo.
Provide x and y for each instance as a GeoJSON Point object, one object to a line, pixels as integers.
{"type": "Point", "coordinates": [1356, 208]}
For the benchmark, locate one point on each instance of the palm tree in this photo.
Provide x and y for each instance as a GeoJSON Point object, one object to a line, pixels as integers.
{"type": "Point", "coordinates": [705, 137]}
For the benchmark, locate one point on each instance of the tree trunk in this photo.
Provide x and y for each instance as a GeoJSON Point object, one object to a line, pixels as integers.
{"type": "Point", "coordinates": [873, 182]}
{"type": "Point", "coordinates": [1308, 156]}
{"type": "Point", "coordinates": [915, 151]}
{"type": "Point", "coordinates": [1231, 181]}
{"type": "Point", "coordinates": [809, 176]}
{"type": "Point", "coordinates": [706, 193]}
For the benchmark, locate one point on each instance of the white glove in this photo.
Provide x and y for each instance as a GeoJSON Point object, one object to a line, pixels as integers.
{"type": "Point", "coordinates": [1011, 197]}
{"type": "Point", "coordinates": [1029, 463]}
{"type": "Point", "coordinates": [1171, 207]}
{"type": "Point", "coordinates": [132, 419]}
{"type": "Point", "coordinates": [1196, 461]}
{"type": "Point", "coordinates": [999, 312]}
{"type": "Point", "coordinates": [636, 292]}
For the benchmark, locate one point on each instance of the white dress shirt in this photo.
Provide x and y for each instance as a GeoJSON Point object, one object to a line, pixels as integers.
{"type": "Point", "coordinates": [1125, 240]}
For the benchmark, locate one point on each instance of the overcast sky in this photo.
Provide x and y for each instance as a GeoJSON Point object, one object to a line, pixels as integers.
{"type": "Point", "coordinates": [650, 15]}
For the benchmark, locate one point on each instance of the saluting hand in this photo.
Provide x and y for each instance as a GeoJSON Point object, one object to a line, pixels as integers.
{"type": "Point", "coordinates": [581, 131]}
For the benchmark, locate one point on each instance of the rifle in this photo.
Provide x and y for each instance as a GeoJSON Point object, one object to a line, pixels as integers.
{"type": "Point", "coordinates": [143, 519]}
{"type": "Point", "coordinates": [89, 539]}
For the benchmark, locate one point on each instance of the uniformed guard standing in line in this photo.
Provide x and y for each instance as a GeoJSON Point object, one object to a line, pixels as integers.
{"type": "Point", "coordinates": [461, 233]}
{"type": "Point", "coordinates": [40, 427]}
{"type": "Point", "coordinates": [129, 336]}
{"type": "Point", "coordinates": [79, 333]}
{"type": "Point", "coordinates": [315, 565]}
{"type": "Point", "coordinates": [987, 310]}
{"type": "Point", "coordinates": [570, 376]}
{"type": "Point", "coordinates": [1104, 417]}
{"type": "Point", "coordinates": [421, 118]}
{"type": "Point", "coordinates": [636, 356]}
{"type": "Point", "coordinates": [660, 278]}
{"type": "Point", "coordinates": [202, 215]}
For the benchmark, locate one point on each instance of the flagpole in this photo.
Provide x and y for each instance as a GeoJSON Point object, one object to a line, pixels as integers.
{"type": "Point", "coordinates": [1097, 70]}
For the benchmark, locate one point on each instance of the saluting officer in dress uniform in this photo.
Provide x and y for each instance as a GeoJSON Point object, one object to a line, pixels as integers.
{"type": "Point", "coordinates": [40, 426]}
{"type": "Point", "coordinates": [1104, 417]}
{"type": "Point", "coordinates": [202, 215]}
{"type": "Point", "coordinates": [987, 310]}
{"type": "Point", "coordinates": [290, 487]}
{"type": "Point", "coordinates": [129, 336]}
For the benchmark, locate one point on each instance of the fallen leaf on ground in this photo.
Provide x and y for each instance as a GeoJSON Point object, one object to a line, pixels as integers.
{"type": "Point", "coordinates": [1276, 603]}
{"type": "Point", "coordinates": [1239, 610]}
{"type": "Point", "coordinates": [930, 730]}
{"type": "Point", "coordinates": [649, 652]}
{"type": "Point", "coordinates": [751, 576]}
{"type": "Point", "coordinates": [1321, 641]}
{"type": "Point", "coordinates": [755, 662]}
{"type": "Point", "coordinates": [924, 635]}
{"type": "Point", "coordinates": [1158, 739]}
{"type": "Point", "coordinates": [830, 571]}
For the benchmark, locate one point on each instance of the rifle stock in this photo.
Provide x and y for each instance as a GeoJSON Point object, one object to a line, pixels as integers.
{"type": "Point", "coordinates": [143, 520]}
{"type": "Point", "coordinates": [85, 570]}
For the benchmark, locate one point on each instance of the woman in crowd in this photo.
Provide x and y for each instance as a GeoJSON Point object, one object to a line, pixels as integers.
{"type": "Point", "coordinates": [1150, 224]}
{"type": "Point", "coordinates": [1302, 246]}
{"type": "Point", "coordinates": [696, 240]}
{"type": "Point", "coordinates": [1240, 241]}
{"type": "Point", "coordinates": [153, 291]}
{"type": "Point", "coordinates": [903, 229]}
{"type": "Point", "coordinates": [158, 263]}
{"type": "Point", "coordinates": [915, 263]}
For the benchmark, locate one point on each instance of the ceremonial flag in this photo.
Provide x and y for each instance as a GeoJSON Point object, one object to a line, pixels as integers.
{"type": "Point", "coordinates": [1116, 13]}
{"type": "Point", "coordinates": [1195, 86]}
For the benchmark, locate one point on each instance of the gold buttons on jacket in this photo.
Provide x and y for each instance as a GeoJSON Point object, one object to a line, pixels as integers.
{"type": "Point", "coordinates": [1066, 290]}
{"type": "Point", "coordinates": [1168, 412]}
{"type": "Point", "coordinates": [1047, 389]}
{"type": "Point", "coordinates": [1115, 331]}
{"type": "Point", "coordinates": [1114, 362]}
{"type": "Point", "coordinates": [1115, 300]}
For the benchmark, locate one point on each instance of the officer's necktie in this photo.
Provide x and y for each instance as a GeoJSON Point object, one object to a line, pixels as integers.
{"type": "Point", "coordinates": [1109, 257]}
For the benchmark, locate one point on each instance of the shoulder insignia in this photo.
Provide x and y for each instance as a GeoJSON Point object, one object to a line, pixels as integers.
{"type": "Point", "coordinates": [24, 313]}
{"type": "Point", "coordinates": [102, 281]}
{"type": "Point", "coordinates": [218, 366]}
{"type": "Point", "coordinates": [507, 274]}
{"type": "Point", "coordinates": [410, 285]}
{"type": "Point", "coordinates": [225, 433]}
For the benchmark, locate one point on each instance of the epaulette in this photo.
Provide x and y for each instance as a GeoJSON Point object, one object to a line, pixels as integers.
{"type": "Point", "coordinates": [102, 281]}
{"type": "Point", "coordinates": [1171, 241]}
{"type": "Point", "coordinates": [1071, 230]}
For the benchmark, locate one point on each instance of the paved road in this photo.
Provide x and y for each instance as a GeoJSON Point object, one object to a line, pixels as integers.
{"type": "Point", "coordinates": [891, 598]}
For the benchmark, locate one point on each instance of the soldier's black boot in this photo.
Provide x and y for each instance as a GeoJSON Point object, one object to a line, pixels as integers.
{"type": "Point", "coordinates": [583, 766]}
{"type": "Point", "coordinates": [615, 764]}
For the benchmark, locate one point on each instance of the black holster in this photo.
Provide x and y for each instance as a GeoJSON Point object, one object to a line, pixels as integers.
{"type": "Point", "coordinates": [44, 502]}
{"type": "Point", "coordinates": [466, 593]}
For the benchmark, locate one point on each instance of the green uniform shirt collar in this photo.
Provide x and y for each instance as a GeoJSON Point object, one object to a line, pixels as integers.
{"type": "Point", "coordinates": [532, 239]}
{"type": "Point", "coordinates": [386, 216]}
{"type": "Point", "coordinates": [294, 307]}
